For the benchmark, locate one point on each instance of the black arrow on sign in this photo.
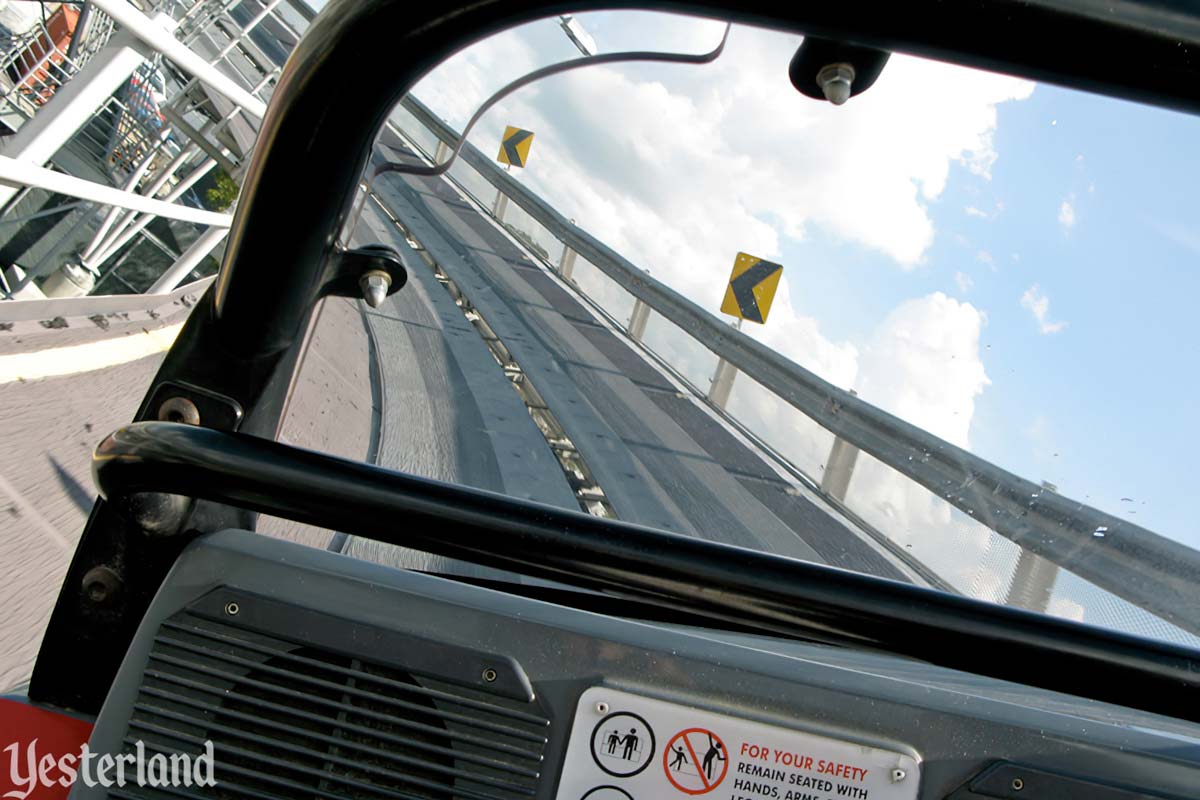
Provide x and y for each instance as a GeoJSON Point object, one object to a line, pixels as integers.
{"type": "Point", "coordinates": [510, 147]}
{"type": "Point", "coordinates": [743, 288]}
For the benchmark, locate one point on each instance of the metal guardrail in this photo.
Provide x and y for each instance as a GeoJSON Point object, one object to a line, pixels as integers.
{"type": "Point", "coordinates": [1145, 568]}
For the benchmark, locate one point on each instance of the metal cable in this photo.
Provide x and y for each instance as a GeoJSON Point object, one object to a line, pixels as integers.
{"type": "Point", "coordinates": [525, 80]}
{"type": "Point", "coordinates": [546, 72]}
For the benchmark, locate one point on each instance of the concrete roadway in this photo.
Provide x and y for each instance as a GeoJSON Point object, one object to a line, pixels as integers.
{"type": "Point", "coordinates": [661, 457]}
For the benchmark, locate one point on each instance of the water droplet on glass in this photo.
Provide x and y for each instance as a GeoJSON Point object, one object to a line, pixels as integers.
{"type": "Point", "coordinates": [1100, 532]}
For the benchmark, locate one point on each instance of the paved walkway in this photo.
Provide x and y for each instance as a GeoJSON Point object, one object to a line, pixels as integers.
{"type": "Point", "coordinates": [49, 427]}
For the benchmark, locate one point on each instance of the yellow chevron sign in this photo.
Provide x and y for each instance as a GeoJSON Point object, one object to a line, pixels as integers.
{"type": "Point", "coordinates": [751, 288]}
{"type": "Point", "coordinates": [514, 147]}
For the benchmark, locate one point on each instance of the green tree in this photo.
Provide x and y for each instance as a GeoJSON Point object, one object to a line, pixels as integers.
{"type": "Point", "coordinates": [223, 192]}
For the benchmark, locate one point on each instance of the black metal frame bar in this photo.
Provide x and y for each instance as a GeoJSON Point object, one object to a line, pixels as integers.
{"type": "Point", "coordinates": [354, 63]}
{"type": "Point", "coordinates": [707, 581]}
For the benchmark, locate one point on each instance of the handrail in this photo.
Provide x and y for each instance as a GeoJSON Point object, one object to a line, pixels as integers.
{"type": "Point", "coordinates": [1143, 567]}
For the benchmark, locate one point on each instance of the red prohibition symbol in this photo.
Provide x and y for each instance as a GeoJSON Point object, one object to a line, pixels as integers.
{"type": "Point", "coordinates": [695, 761]}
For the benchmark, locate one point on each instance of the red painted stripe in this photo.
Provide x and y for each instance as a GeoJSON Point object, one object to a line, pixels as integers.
{"type": "Point", "coordinates": [696, 761]}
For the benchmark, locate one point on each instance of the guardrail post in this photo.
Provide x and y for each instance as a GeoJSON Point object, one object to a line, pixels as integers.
{"type": "Point", "coordinates": [500, 206]}
{"type": "Point", "coordinates": [722, 383]}
{"type": "Point", "coordinates": [1033, 577]}
{"type": "Point", "coordinates": [1032, 583]}
{"type": "Point", "coordinates": [566, 264]}
{"type": "Point", "coordinates": [637, 320]}
{"type": "Point", "coordinates": [839, 466]}
{"type": "Point", "coordinates": [442, 153]}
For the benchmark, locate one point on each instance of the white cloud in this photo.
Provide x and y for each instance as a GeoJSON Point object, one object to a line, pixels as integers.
{"type": "Point", "coordinates": [923, 365]}
{"type": "Point", "coordinates": [1066, 213]}
{"type": "Point", "coordinates": [964, 282]}
{"type": "Point", "coordinates": [1066, 609]}
{"type": "Point", "coordinates": [984, 257]}
{"type": "Point", "coordinates": [679, 168]}
{"type": "Point", "coordinates": [650, 157]}
{"type": "Point", "coordinates": [1037, 303]}
{"type": "Point", "coordinates": [972, 211]}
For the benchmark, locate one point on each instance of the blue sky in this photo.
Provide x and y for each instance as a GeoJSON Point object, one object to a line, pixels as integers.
{"type": "Point", "coordinates": [1114, 387]}
{"type": "Point", "coordinates": [1103, 407]}
{"type": "Point", "coordinates": [1011, 266]}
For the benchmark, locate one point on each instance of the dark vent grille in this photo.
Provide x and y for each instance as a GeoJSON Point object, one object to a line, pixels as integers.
{"type": "Point", "coordinates": [299, 722]}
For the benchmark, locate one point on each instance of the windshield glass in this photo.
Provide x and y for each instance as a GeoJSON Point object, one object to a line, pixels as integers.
{"type": "Point", "coordinates": [690, 297]}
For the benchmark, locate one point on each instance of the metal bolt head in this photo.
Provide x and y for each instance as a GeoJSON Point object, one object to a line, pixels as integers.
{"type": "Point", "coordinates": [602, 707]}
{"type": "Point", "coordinates": [836, 81]}
{"type": "Point", "coordinates": [375, 284]}
{"type": "Point", "coordinates": [179, 409]}
{"type": "Point", "coordinates": [232, 609]}
{"type": "Point", "coordinates": [1018, 784]}
{"type": "Point", "coordinates": [156, 513]}
{"type": "Point", "coordinates": [490, 675]}
{"type": "Point", "coordinates": [101, 585]}
{"type": "Point", "coordinates": [898, 775]}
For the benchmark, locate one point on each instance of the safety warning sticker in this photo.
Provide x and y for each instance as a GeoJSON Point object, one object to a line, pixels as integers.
{"type": "Point", "coordinates": [627, 747]}
{"type": "Point", "coordinates": [622, 744]}
{"type": "Point", "coordinates": [687, 770]}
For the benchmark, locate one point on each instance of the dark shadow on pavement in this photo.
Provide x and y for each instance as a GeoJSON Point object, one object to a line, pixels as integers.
{"type": "Point", "coordinates": [75, 490]}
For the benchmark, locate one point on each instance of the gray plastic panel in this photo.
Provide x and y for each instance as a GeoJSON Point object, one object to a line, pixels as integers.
{"type": "Point", "coordinates": [957, 724]}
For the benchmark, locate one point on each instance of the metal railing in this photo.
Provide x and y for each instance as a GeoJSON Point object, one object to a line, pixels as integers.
{"type": "Point", "coordinates": [34, 64]}
{"type": "Point", "coordinates": [136, 138]}
{"type": "Point", "coordinates": [1146, 569]}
